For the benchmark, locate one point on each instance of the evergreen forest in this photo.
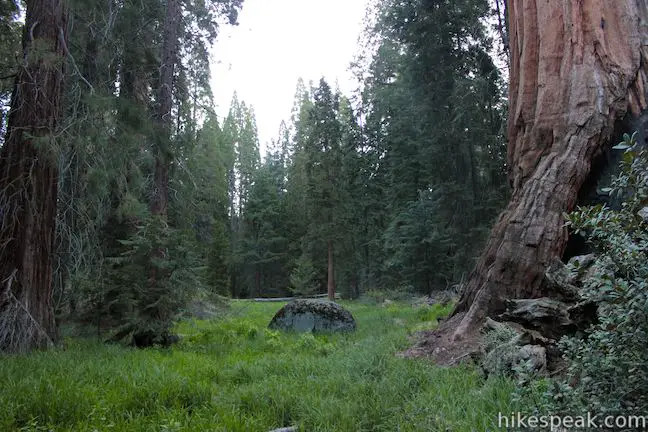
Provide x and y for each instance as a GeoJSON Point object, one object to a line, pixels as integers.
{"type": "Point", "coordinates": [401, 180]}
{"type": "Point", "coordinates": [478, 203]}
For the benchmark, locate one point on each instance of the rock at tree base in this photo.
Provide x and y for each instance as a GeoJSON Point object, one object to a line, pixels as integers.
{"type": "Point", "coordinates": [532, 326]}
{"type": "Point", "coordinates": [305, 315]}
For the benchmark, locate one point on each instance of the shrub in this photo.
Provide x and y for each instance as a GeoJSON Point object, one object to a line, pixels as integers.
{"type": "Point", "coordinates": [500, 350]}
{"type": "Point", "coordinates": [376, 296]}
{"type": "Point", "coordinates": [608, 369]}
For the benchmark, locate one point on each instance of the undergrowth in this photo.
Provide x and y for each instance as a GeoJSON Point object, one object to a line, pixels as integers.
{"type": "Point", "coordinates": [233, 374]}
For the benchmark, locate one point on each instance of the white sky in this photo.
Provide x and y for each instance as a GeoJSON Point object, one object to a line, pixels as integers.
{"type": "Point", "coordinates": [275, 43]}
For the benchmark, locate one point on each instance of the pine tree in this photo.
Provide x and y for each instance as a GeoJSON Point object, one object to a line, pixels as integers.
{"type": "Point", "coordinates": [323, 157]}
{"type": "Point", "coordinates": [240, 131]}
{"type": "Point", "coordinates": [9, 54]}
{"type": "Point", "coordinates": [433, 140]}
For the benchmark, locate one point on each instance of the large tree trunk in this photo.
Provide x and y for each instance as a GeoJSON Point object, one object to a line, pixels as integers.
{"type": "Point", "coordinates": [28, 183]}
{"type": "Point", "coordinates": [160, 201]}
{"type": "Point", "coordinates": [576, 69]}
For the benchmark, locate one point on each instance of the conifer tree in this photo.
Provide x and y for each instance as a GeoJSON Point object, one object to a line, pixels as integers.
{"type": "Point", "coordinates": [28, 183]}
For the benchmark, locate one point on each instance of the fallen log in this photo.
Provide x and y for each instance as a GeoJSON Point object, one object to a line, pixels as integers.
{"type": "Point", "coordinates": [286, 299]}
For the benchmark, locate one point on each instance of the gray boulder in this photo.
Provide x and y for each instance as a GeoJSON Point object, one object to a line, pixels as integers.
{"type": "Point", "coordinates": [306, 315]}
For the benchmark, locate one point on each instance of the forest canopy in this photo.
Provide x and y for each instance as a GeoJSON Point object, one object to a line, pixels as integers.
{"type": "Point", "coordinates": [159, 200]}
{"type": "Point", "coordinates": [129, 207]}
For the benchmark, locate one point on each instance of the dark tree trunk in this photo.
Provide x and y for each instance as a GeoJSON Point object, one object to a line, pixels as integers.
{"type": "Point", "coordinates": [160, 201]}
{"type": "Point", "coordinates": [331, 275]}
{"type": "Point", "coordinates": [576, 69]}
{"type": "Point", "coordinates": [162, 151]}
{"type": "Point", "coordinates": [28, 183]}
{"type": "Point", "coordinates": [233, 266]}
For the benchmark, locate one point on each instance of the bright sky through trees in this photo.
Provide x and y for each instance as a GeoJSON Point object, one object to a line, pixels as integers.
{"type": "Point", "coordinates": [277, 42]}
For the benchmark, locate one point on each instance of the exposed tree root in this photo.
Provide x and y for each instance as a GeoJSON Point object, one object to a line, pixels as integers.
{"type": "Point", "coordinates": [440, 345]}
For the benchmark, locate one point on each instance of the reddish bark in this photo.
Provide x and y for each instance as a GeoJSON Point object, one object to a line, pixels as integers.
{"type": "Point", "coordinates": [160, 198]}
{"type": "Point", "coordinates": [28, 183]}
{"type": "Point", "coordinates": [577, 67]}
{"type": "Point", "coordinates": [331, 275]}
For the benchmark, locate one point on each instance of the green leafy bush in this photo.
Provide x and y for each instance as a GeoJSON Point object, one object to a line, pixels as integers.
{"type": "Point", "coordinates": [608, 369]}
{"type": "Point", "coordinates": [500, 350]}
{"type": "Point", "coordinates": [375, 296]}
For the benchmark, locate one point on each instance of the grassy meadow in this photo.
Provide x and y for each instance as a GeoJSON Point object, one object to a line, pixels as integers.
{"type": "Point", "coordinates": [233, 374]}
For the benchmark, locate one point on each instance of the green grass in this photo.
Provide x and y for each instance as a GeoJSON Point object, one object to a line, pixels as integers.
{"type": "Point", "coordinates": [233, 374]}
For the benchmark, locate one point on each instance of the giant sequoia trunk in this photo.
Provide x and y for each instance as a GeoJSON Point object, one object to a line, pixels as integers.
{"type": "Point", "coordinates": [28, 183]}
{"type": "Point", "coordinates": [577, 67]}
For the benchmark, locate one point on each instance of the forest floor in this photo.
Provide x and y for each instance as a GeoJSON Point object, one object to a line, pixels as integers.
{"type": "Point", "coordinates": [233, 374]}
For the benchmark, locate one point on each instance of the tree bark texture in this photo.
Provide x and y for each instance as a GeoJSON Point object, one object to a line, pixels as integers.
{"type": "Point", "coordinates": [160, 201]}
{"type": "Point", "coordinates": [331, 274]}
{"type": "Point", "coordinates": [28, 183]}
{"type": "Point", "coordinates": [577, 67]}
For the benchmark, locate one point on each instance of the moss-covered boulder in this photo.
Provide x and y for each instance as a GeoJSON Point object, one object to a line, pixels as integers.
{"type": "Point", "coordinates": [305, 315]}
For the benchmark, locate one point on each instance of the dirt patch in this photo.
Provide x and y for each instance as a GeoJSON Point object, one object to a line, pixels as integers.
{"type": "Point", "coordinates": [438, 344]}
